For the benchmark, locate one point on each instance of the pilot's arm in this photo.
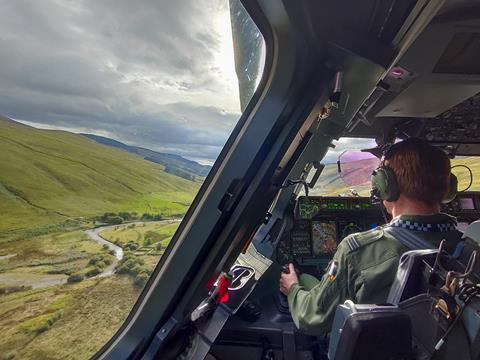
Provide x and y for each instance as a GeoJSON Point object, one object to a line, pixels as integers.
{"type": "Point", "coordinates": [313, 309]}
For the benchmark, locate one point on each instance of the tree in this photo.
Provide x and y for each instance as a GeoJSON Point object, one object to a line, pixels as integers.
{"type": "Point", "coordinates": [75, 278]}
{"type": "Point", "coordinates": [141, 279]}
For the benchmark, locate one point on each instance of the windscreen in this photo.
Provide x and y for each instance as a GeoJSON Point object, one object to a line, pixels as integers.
{"type": "Point", "coordinates": [348, 170]}
{"type": "Point", "coordinates": [352, 177]}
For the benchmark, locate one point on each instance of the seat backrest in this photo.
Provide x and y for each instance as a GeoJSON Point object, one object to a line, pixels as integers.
{"type": "Point", "coordinates": [473, 231]}
{"type": "Point", "coordinates": [429, 326]}
{"type": "Point", "coordinates": [471, 238]}
{"type": "Point", "coordinates": [411, 277]}
{"type": "Point", "coordinates": [370, 332]}
{"type": "Point", "coordinates": [418, 293]}
{"type": "Point", "coordinates": [415, 323]}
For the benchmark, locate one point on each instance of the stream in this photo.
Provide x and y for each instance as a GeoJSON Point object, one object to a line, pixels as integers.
{"type": "Point", "coordinates": [37, 281]}
{"type": "Point", "coordinates": [93, 234]}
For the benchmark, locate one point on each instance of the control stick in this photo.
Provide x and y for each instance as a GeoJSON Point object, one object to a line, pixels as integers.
{"type": "Point", "coordinates": [283, 300]}
{"type": "Point", "coordinates": [286, 269]}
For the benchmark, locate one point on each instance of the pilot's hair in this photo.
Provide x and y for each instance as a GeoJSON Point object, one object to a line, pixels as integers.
{"type": "Point", "coordinates": [422, 170]}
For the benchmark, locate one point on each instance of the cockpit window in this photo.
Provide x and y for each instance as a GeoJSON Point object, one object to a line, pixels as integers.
{"type": "Point", "coordinates": [352, 177]}
{"type": "Point", "coordinates": [467, 171]}
{"type": "Point", "coordinates": [112, 114]}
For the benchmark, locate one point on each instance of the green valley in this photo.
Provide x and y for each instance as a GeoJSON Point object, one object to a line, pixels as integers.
{"type": "Point", "coordinates": [58, 193]}
{"type": "Point", "coordinates": [51, 176]}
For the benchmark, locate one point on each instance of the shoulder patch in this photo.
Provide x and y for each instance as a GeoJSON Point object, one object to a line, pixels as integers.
{"type": "Point", "coordinates": [352, 242]}
{"type": "Point", "coordinates": [358, 240]}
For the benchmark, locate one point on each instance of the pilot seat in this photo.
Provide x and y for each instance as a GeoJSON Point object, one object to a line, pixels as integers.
{"type": "Point", "coordinates": [432, 311]}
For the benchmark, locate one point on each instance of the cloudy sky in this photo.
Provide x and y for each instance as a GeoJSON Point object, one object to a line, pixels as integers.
{"type": "Point", "coordinates": [159, 75]}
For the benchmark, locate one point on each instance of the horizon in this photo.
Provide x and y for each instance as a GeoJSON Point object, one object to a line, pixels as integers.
{"type": "Point", "coordinates": [344, 143]}
{"type": "Point", "coordinates": [40, 126]}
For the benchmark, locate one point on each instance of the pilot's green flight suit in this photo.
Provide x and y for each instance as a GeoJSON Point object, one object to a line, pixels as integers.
{"type": "Point", "coordinates": [367, 264]}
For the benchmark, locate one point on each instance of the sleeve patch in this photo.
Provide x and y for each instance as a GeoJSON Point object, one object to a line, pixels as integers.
{"type": "Point", "coordinates": [352, 243]}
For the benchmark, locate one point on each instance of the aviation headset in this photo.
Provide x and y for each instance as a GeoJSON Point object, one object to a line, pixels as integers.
{"type": "Point", "coordinates": [385, 185]}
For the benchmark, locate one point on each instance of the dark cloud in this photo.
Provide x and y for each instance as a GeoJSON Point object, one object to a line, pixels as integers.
{"type": "Point", "coordinates": [142, 71]}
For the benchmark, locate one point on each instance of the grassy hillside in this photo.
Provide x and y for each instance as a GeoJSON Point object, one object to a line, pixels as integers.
{"type": "Point", "coordinates": [49, 176]}
{"type": "Point", "coordinates": [57, 322]}
{"type": "Point", "coordinates": [330, 183]}
{"type": "Point", "coordinates": [173, 163]}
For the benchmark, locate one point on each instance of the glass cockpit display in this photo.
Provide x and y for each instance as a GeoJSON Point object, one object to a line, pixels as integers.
{"type": "Point", "coordinates": [324, 237]}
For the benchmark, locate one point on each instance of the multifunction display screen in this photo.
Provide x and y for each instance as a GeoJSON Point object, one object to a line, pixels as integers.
{"type": "Point", "coordinates": [324, 237]}
{"type": "Point", "coordinates": [466, 204]}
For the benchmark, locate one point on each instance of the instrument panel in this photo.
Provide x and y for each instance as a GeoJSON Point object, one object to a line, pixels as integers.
{"type": "Point", "coordinates": [320, 223]}
{"type": "Point", "coordinates": [308, 208]}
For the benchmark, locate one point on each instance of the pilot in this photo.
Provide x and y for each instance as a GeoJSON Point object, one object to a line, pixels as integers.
{"type": "Point", "coordinates": [363, 268]}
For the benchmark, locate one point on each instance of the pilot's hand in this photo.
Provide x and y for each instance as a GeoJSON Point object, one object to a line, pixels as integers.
{"type": "Point", "coordinates": [287, 280]}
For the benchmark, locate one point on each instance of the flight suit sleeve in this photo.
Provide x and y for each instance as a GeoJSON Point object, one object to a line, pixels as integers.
{"type": "Point", "coordinates": [313, 310]}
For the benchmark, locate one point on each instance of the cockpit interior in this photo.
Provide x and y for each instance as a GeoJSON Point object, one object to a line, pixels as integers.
{"type": "Point", "coordinates": [431, 92]}
{"type": "Point", "coordinates": [317, 225]}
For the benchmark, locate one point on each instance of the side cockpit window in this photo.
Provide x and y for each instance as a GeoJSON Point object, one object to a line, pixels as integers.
{"type": "Point", "coordinates": [112, 114]}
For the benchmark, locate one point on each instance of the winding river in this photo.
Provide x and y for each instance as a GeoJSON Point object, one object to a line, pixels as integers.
{"type": "Point", "coordinates": [93, 234]}
{"type": "Point", "coordinates": [37, 281]}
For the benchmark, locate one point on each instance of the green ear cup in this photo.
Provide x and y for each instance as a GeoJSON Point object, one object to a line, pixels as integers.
{"type": "Point", "coordinates": [384, 184]}
{"type": "Point", "coordinates": [452, 190]}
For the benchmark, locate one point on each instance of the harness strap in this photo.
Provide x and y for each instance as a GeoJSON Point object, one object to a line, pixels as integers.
{"type": "Point", "coordinates": [409, 238]}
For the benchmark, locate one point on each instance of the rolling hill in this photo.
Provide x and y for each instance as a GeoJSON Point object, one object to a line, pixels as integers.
{"type": "Point", "coordinates": [174, 164]}
{"type": "Point", "coordinates": [48, 176]}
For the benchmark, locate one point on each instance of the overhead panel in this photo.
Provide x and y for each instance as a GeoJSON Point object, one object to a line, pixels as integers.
{"type": "Point", "coordinates": [443, 68]}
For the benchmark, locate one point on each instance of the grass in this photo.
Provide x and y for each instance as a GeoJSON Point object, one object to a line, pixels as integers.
{"type": "Point", "coordinates": [463, 175]}
{"type": "Point", "coordinates": [53, 322]}
{"type": "Point", "coordinates": [48, 323]}
{"type": "Point", "coordinates": [150, 254]}
{"type": "Point", "coordinates": [331, 184]}
{"type": "Point", "coordinates": [49, 176]}
{"type": "Point", "coordinates": [52, 185]}
{"type": "Point", "coordinates": [56, 253]}
{"type": "Point", "coordinates": [122, 234]}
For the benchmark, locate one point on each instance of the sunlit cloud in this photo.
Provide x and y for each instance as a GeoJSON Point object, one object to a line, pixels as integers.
{"type": "Point", "coordinates": [158, 74]}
